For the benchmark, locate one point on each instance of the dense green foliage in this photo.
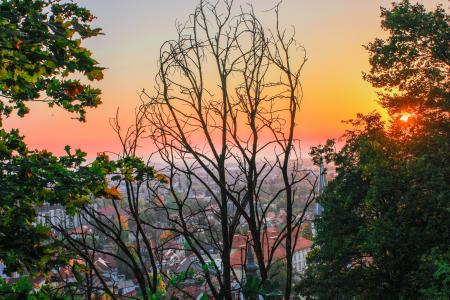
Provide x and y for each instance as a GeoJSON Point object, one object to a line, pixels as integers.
{"type": "Point", "coordinates": [385, 229]}
{"type": "Point", "coordinates": [24, 289]}
{"type": "Point", "coordinates": [40, 46]}
{"type": "Point", "coordinates": [411, 66]}
{"type": "Point", "coordinates": [32, 178]}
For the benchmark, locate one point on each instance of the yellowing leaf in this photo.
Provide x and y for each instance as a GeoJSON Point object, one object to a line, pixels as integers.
{"type": "Point", "coordinates": [113, 193]}
{"type": "Point", "coordinates": [162, 178]}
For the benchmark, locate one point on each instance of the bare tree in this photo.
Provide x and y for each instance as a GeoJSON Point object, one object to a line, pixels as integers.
{"type": "Point", "coordinates": [223, 119]}
{"type": "Point", "coordinates": [114, 228]}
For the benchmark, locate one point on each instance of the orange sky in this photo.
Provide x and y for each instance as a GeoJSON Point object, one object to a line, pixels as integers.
{"type": "Point", "coordinates": [332, 31]}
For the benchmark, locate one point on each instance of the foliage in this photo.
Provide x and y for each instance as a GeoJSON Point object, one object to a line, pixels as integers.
{"type": "Point", "coordinates": [437, 264]}
{"type": "Point", "coordinates": [411, 65]}
{"type": "Point", "coordinates": [31, 178]}
{"type": "Point", "coordinates": [277, 279]}
{"type": "Point", "coordinates": [323, 153]}
{"type": "Point", "coordinates": [24, 289]}
{"type": "Point", "coordinates": [252, 288]}
{"type": "Point", "coordinates": [42, 60]}
{"type": "Point", "coordinates": [158, 295]}
{"type": "Point", "coordinates": [384, 231]}
{"type": "Point", "coordinates": [40, 47]}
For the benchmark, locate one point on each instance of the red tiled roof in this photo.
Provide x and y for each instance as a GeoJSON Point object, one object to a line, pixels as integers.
{"type": "Point", "coordinates": [238, 253]}
{"type": "Point", "coordinates": [81, 230]}
{"type": "Point", "coordinates": [110, 211]}
{"type": "Point", "coordinates": [239, 240]}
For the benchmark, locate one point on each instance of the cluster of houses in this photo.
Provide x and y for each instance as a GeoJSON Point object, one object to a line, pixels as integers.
{"type": "Point", "coordinates": [174, 256]}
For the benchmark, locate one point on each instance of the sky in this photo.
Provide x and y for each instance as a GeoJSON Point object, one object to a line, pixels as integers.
{"type": "Point", "coordinates": [332, 31]}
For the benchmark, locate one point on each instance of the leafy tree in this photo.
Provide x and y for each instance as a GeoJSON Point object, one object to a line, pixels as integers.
{"type": "Point", "coordinates": [24, 289]}
{"type": "Point", "coordinates": [437, 264]}
{"type": "Point", "coordinates": [42, 60]}
{"type": "Point", "coordinates": [40, 47]}
{"type": "Point", "coordinates": [385, 232]}
{"type": "Point", "coordinates": [411, 65]}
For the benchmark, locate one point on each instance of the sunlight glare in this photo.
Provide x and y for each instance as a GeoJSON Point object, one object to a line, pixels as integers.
{"type": "Point", "coordinates": [405, 117]}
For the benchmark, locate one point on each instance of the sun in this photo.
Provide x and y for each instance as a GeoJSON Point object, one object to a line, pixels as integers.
{"type": "Point", "coordinates": [404, 117]}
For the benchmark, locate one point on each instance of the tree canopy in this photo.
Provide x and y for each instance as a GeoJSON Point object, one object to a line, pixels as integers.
{"type": "Point", "coordinates": [384, 232]}
{"type": "Point", "coordinates": [40, 47]}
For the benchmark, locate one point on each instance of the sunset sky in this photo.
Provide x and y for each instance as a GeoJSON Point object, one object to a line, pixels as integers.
{"type": "Point", "coordinates": [332, 31]}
